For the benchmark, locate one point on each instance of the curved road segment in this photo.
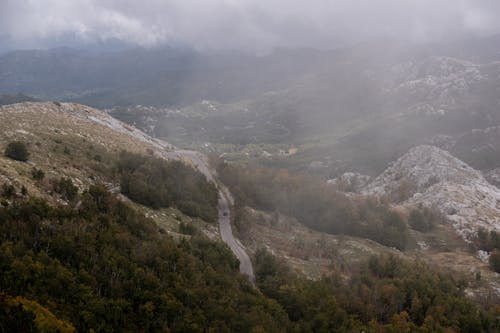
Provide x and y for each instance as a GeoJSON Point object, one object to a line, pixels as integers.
{"type": "Point", "coordinates": [198, 160]}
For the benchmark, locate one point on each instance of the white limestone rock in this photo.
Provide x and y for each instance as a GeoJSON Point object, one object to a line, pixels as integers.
{"type": "Point", "coordinates": [433, 177]}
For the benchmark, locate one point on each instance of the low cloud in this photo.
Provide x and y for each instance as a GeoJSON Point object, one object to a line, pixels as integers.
{"type": "Point", "coordinates": [245, 24]}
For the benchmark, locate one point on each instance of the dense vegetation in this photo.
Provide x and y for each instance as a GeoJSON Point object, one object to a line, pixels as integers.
{"type": "Point", "coordinates": [95, 264]}
{"type": "Point", "coordinates": [315, 204]}
{"type": "Point", "coordinates": [65, 188]}
{"type": "Point", "coordinates": [102, 266]}
{"type": "Point", "coordinates": [17, 150]}
{"type": "Point", "coordinates": [386, 295]}
{"type": "Point", "coordinates": [490, 242]}
{"type": "Point", "coordinates": [157, 183]}
{"type": "Point", "coordinates": [18, 314]}
{"type": "Point", "coordinates": [424, 219]}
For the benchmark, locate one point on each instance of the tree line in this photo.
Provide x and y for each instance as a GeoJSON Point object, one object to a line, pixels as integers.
{"type": "Point", "coordinates": [158, 183]}
{"type": "Point", "coordinates": [101, 266]}
{"type": "Point", "coordinates": [315, 204]}
{"type": "Point", "coordinates": [385, 295]}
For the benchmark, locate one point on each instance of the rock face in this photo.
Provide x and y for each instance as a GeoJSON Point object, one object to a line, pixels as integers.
{"type": "Point", "coordinates": [350, 182]}
{"type": "Point", "coordinates": [493, 176]}
{"type": "Point", "coordinates": [438, 80]}
{"type": "Point", "coordinates": [431, 176]}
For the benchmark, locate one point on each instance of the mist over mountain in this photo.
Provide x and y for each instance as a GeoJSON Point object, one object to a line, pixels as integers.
{"type": "Point", "coordinates": [178, 76]}
{"type": "Point", "coordinates": [370, 103]}
{"type": "Point", "coordinates": [248, 25]}
{"type": "Point", "coordinates": [249, 166]}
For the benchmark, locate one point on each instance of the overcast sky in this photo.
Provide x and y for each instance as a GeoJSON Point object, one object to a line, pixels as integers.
{"type": "Point", "coordinates": [256, 25]}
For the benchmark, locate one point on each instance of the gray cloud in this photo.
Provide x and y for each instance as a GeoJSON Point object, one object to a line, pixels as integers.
{"type": "Point", "coordinates": [245, 24]}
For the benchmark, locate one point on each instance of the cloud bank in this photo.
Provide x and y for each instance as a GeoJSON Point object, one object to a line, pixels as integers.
{"type": "Point", "coordinates": [244, 24]}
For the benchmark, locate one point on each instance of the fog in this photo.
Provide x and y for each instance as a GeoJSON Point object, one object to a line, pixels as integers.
{"type": "Point", "coordinates": [241, 24]}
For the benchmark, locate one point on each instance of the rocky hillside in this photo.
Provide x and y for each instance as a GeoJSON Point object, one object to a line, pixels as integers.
{"type": "Point", "coordinates": [82, 255]}
{"type": "Point", "coordinates": [431, 176]}
{"type": "Point", "coordinates": [71, 245]}
{"type": "Point", "coordinates": [439, 81]}
{"type": "Point", "coordinates": [73, 141]}
{"type": "Point", "coordinates": [56, 133]}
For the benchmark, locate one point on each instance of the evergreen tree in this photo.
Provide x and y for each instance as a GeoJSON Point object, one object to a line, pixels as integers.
{"type": "Point", "coordinates": [17, 150]}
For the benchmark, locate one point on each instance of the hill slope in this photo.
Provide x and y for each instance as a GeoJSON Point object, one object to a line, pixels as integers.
{"type": "Point", "coordinates": [88, 139]}
{"type": "Point", "coordinates": [86, 258]}
{"type": "Point", "coordinates": [431, 176]}
{"type": "Point", "coordinates": [75, 255]}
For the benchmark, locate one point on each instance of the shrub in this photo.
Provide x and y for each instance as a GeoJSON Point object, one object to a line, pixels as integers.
{"type": "Point", "coordinates": [17, 150]}
{"type": "Point", "coordinates": [495, 261]}
{"type": "Point", "coordinates": [65, 188]}
{"type": "Point", "coordinates": [403, 191]}
{"type": "Point", "coordinates": [393, 232]}
{"type": "Point", "coordinates": [424, 219]}
{"type": "Point", "coordinates": [37, 174]}
{"type": "Point", "coordinates": [487, 241]}
{"type": "Point", "coordinates": [187, 228]}
{"type": "Point", "coordinates": [8, 191]}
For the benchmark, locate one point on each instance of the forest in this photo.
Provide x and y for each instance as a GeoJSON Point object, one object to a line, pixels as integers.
{"type": "Point", "coordinates": [315, 204]}
{"type": "Point", "coordinates": [97, 265]}
{"type": "Point", "coordinates": [386, 294]}
{"type": "Point", "coordinates": [103, 267]}
{"type": "Point", "coordinates": [92, 263]}
{"type": "Point", "coordinates": [158, 183]}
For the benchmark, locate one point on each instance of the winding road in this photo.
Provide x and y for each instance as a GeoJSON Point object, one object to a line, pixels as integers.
{"type": "Point", "coordinates": [199, 161]}
{"type": "Point", "coordinates": [228, 238]}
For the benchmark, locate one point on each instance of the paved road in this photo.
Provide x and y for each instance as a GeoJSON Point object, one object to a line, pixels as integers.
{"type": "Point", "coordinates": [225, 199]}
{"type": "Point", "coordinates": [228, 238]}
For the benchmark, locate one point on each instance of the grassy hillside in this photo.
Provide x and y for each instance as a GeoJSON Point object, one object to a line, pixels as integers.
{"type": "Point", "coordinates": [77, 255]}
{"type": "Point", "coordinates": [78, 143]}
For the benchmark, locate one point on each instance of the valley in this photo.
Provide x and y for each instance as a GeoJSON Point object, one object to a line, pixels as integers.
{"type": "Point", "coordinates": [354, 189]}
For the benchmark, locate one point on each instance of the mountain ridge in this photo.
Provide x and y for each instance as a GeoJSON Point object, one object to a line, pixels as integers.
{"type": "Point", "coordinates": [129, 138]}
{"type": "Point", "coordinates": [432, 176]}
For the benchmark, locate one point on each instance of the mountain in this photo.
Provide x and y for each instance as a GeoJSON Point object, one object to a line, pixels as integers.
{"type": "Point", "coordinates": [177, 77]}
{"type": "Point", "coordinates": [426, 206]}
{"type": "Point", "coordinates": [87, 146]}
{"type": "Point", "coordinates": [94, 197]}
{"type": "Point", "coordinates": [353, 109]}
{"type": "Point", "coordinates": [15, 98]}
{"type": "Point", "coordinates": [433, 177]}
{"type": "Point", "coordinates": [349, 109]}
{"type": "Point", "coordinates": [160, 76]}
{"type": "Point", "coordinates": [103, 228]}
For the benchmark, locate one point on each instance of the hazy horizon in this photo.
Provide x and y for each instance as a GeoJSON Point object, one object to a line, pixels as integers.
{"type": "Point", "coordinates": [245, 25]}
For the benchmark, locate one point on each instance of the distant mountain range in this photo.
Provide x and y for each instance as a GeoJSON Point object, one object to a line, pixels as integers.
{"type": "Point", "coordinates": [352, 109]}
{"type": "Point", "coordinates": [6, 99]}
{"type": "Point", "coordinates": [164, 76]}
{"type": "Point", "coordinates": [177, 76]}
